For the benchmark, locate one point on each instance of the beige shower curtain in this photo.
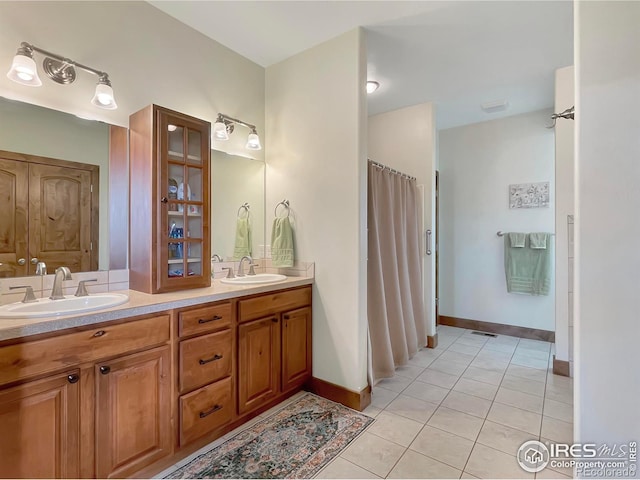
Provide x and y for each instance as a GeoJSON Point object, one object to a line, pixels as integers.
{"type": "Point", "coordinates": [397, 319]}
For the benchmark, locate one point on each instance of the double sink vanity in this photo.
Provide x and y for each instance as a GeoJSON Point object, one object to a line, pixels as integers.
{"type": "Point", "coordinates": [130, 389]}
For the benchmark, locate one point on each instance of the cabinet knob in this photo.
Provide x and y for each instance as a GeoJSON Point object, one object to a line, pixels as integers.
{"type": "Point", "coordinates": [99, 333]}
{"type": "Point", "coordinates": [286, 317]}
{"type": "Point", "coordinates": [34, 261]}
{"type": "Point", "coordinates": [105, 369]}
{"type": "Point", "coordinates": [73, 378]}
{"type": "Point", "coordinates": [22, 261]}
{"type": "Point", "coordinates": [164, 200]}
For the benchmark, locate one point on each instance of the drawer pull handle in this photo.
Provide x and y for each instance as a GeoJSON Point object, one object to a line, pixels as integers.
{"type": "Point", "coordinates": [207, 320]}
{"type": "Point", "coordinates": [73, 378]}
{"type": "Point", "coordinates": [207, 360]}
{"type": "Point", "coordinates": [274, 320]}
{"type": "Point", "coordinates": [206, 413]}
{"type": "Point", "coordinates": [105, 369]}
{"type": "Point", "coordinates": [99, 333]}
{"type": "Point", "coordinates": [286, 317]}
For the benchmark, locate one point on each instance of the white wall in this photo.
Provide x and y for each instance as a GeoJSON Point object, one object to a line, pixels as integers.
{"type": "Point", "coordinates": [565, 160]}
{"type": "Point", "coordinates": [404, 139]}
{"type": "Point", "coordinates": [150, 58]}
{"type": "Point", "coordinates": [478, 162]}
{"type": "Point", "coordinates": [40, 131]}
{"type": "Point", "coordinates": [316, 158]}
{"type": "Point", "coordinates": [607, 221]}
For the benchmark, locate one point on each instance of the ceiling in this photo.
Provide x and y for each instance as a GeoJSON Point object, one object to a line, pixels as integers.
{"type": "Point", "coordinates": [457, 54]}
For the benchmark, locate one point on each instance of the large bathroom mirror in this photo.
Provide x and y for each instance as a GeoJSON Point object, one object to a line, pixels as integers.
{"type": "Point", "coordinates": [31, 133]}
{"type": "Point", "coordinates": [237, 190]}
{"type": "Point", "coordinates": [54, 178]}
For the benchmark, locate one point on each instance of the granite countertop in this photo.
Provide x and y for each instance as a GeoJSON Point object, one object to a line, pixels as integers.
{"type": "Point", "coordinates": [141, 304]}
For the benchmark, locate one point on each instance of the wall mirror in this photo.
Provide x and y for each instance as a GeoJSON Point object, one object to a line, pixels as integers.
{"type": "Point", "coordinates": [54, 179]}
{"type": "Point", "coordinates": [31, 132]}
{"type": "Point", "coordinates": [236, 181]}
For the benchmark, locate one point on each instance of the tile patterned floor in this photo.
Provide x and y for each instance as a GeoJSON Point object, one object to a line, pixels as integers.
{"type": "Point", "coordinates": [457, 411]}
{"type": "Point", "coordinates": [462, 410]}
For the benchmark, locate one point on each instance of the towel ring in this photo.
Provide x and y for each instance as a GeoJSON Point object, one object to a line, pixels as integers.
{"type": "Point", "coordinates": [245, 207]}
{"type": "Point", "coordinates": [285, 204]}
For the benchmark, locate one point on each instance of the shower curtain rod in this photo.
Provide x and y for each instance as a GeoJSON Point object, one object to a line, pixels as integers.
{"type": "Point", "coordinates": [392, 170]}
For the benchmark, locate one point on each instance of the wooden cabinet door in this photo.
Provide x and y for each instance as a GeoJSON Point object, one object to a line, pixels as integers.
{"type": "Point", "coordinates": [296, 348]}
{"type": "Point", "coordinates": [14, 199]}
{"type": "Point", "coordinates": [60, 217]}
{"type": "Point", "coordinates": [132, 412]}
{"type": "Point", "coordinates": [258, 362]}
{"type": "Point", "coordinates": [40, 425]}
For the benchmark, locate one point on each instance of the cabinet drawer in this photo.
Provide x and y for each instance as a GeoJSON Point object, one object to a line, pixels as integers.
{"type": "Point", "coordinates": [265, 305]}
{"type": "Point", "coordinates": [28, 359]}
{"type": "Point", "coordinates": [205, 319]}
{"type": "Point", "coordinates": [205, 359]}
{"type": "Point", "coordinates": [205, 410]}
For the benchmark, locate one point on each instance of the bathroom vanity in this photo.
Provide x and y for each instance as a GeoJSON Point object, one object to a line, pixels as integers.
{"type": "Point", "coordinates": [132, 389]}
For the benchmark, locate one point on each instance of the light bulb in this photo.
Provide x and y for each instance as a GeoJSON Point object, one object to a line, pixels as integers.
{"type": "Point", "coordinates": [23, 69]}
{"type": "Point", "coordinates": [103, 97]}
{"type": "Point", "coordinates": [372, 86]}
{"type": "Point", "coordinates": [253, 141]}
{"type": "Point", "coordinates": [171, 128]}
{"type": "Point", "coordinates": [220, 131]}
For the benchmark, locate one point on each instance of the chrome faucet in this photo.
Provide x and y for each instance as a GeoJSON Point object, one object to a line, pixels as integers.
{"type": "Point", "coordinates": [240, 268]}
{"type": "Point", "coordinates": [41, 268]}
{"type": "Point", "coordinates": [216, 258]}
{"type": "Point", "coordinates": [62, 274]}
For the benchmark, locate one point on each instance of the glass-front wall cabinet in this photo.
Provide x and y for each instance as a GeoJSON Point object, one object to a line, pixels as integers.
{"type": "Point", "coordinates": [170, 241]}
{"type": "Point", "coordinates": [185, 202]}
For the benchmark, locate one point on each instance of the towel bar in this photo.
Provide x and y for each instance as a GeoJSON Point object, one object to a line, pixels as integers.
{"type": "Point", "coordinates": [502, 234]}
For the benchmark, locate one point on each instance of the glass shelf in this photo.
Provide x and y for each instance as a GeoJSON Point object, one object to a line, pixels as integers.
{"type": "Point", "coordinates": [175, 213]}
{"type": "Point", "coordinates": [180, 260]}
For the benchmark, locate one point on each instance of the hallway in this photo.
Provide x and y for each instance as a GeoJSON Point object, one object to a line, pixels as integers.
{"type": "Point", "coordinates": [462, 410]}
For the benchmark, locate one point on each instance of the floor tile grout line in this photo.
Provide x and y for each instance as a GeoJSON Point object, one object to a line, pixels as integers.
{"type": "Point", "coordinates": [485, 419]}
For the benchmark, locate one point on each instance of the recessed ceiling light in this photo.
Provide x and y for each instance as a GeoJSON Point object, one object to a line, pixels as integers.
{"type": "Point", "coordinates": [372, 86]}
{"type": "Point", "coordinates": [495, 106]}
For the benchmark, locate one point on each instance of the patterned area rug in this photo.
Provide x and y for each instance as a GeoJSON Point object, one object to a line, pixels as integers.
{"type": "Point", "coordinates": [295, 442]}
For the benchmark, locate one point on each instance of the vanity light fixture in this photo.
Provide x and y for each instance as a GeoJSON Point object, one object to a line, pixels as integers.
{"type": "Point", "coordinates": [224, 126]}
{"type": "Point", "coordinates": [372, 86]}
{"type": "Point", "coordinates": [61, 70]}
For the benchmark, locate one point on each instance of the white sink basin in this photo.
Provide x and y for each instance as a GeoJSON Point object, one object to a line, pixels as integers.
{"type": "Point", "coordinates": [45, 307]}
{"type": "Point", "coordinates": [255, 279]}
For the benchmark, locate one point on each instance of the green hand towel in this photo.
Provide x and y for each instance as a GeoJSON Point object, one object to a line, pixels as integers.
{"type": "Point", "coordinates": [538, 240]}
{"type": "Point", "coordinates": [243, 238]}
{"type": "Point", "coordinates": [528, 270]}
{"type": "Point", "coordinates": [517, 239]}
{"type": "Point", "coordinates": [282, 243]}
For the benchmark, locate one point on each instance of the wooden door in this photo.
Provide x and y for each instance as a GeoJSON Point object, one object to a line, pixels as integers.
{"type": "Point", "coordinates": [296, 348]}
{"type": "Point", "coordinates": [132, 412]}
{"type": "Point", "coordinates": [258, 362]}
{"type": "Point", "coordinates": [60, 219]}
{"type": "Point", "coordinates": [40, 425]}
{"type": "Point", "coordinates": [14, 229]}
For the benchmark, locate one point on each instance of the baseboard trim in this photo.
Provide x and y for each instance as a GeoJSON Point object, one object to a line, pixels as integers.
{"type": "Point", "coordinates": [561, 367]}
{"type": "Point", "coordinates": [356, 400]}
{"type": "Point", "coordinates": [432, 341]}
{"type": "Point", "coordinates": [499, 328]}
